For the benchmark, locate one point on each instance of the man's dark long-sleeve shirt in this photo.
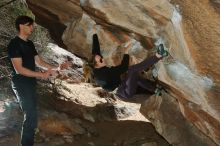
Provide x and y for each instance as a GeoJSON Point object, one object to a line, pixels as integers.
{"type": "Point", "coordinates": [109, 77]}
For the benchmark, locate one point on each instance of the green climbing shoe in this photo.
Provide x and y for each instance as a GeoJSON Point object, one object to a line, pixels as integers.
{"type": "Point", "coordinates": [161, 50]}
{"type": "Point", "coordinates": [158, 90]}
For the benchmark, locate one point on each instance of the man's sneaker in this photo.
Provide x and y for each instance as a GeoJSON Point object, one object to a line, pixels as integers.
{"type": "Point", "coordinates": [161, 50]}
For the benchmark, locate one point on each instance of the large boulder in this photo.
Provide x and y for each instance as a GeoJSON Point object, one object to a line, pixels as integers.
{"type": "Point", "coordinates": [189, 29]}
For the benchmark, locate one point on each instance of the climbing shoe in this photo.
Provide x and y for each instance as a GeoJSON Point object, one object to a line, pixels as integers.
{"type": "Point", "coordinates": [155, 73]}
{"type": "Point", "coordinates": [158, 90]}
{"type": "Point", "coordinates": [161, 50]}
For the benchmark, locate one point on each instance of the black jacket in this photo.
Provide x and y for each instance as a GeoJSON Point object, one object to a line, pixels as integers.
{"type": "Point", "coordinates": [109, 77]}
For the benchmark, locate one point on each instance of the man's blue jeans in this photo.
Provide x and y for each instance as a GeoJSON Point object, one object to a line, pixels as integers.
{"type": "Point", "coordinates": [26, 95]}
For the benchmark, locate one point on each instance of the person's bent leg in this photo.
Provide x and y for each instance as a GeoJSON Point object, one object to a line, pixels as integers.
{"type": "Point", "coordinates": [131, 84]}
{"type": "Point", "coordinates": [132, 80]}
{"type": "Point", "coordinates": [128, 88]}
{"type": "Point", "coordinates": [147, 84]}
{"type": "Point", "coordinates": [147, 63]}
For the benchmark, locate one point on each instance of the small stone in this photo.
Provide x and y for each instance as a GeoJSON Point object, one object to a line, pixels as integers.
{"type": "Point", "coordinates": [47, 139]}
{"type": "Point", "coordinates": [91, 143]}
{"type": "Point", "coordinates": [89, 117]}
{"type": "Point", "coordinates": [150, 144]}
{"type": "Point", "coordinates": [89, 135]}
{"type": "Point", "coordinates": [57, 141]}
{"type": "Point", "coordinates": [69, 139]}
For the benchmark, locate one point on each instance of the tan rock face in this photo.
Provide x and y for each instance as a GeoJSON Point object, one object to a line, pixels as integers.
{"type": "Point", "coordinates": [79, 36]}
{"type": "Point", "coordinates": [190, 29]}
{"type": "Point", "coordinates": [165, 114]}
{"type": "Point", "coordinates": [54, 16]}
{"type": "Point", "coordinates": [126, 14]}
{"type": "Point", "coordinates": [201, 27]}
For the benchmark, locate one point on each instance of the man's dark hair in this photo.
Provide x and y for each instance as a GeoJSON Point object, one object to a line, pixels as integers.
{"type": "Point", "coordinates": [23, 20]}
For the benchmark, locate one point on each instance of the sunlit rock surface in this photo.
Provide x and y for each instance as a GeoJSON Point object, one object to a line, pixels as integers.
{"type": "Point", "coordinates": [74, 113]}
{"type": "Point", "coordinates": [165, 113]}
{"type": "Point", "coordinates": [10, 117]}
{"type": "Point", "coordinates": [189, 29]}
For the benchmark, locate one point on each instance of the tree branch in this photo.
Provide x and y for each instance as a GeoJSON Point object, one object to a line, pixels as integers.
{"type": "Point", "coordinates": [3, 57]}
{"type": "Point", "coordinates": [1, 6]}
{"type": "Point", "coordinates": [6, 35]}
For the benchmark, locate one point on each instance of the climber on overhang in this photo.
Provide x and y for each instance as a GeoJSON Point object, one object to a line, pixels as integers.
{"type": "Point", "coordinates": [109, 78]}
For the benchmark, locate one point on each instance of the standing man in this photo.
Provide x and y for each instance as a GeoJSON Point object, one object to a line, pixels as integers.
{"type": "Point", "coordinates": [23, 56]}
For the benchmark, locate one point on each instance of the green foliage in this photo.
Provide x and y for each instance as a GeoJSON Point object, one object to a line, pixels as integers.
{"type": "Point", "coordinates": [19, 8]}
{"type": "Point", "coordinates": [40, 37]}
{"type": "Point", "coordinates": [8, 15]}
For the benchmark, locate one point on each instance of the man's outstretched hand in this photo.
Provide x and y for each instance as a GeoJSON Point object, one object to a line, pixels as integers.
{"type": "Point", "coordinates": [46, 74]}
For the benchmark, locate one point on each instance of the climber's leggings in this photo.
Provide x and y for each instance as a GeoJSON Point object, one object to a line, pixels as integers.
{"type": "Point", "coordinates": [129, 86]}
